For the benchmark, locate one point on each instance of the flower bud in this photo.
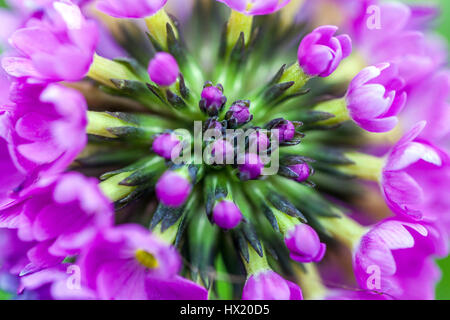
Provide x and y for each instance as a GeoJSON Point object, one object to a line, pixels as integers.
{"type": "Point", "coordinates": [320, 53]}
{"type": "Point", "coordinates": [302, 170]}
{"type": "Point", "coordinates": [226, 214]}
{"type": "Point", "coordinates": [172, 189]}
{"type": "Point", "coordinates": [166, 144]}
{"type": "Point", "coordinates": [268, 285]}
{"type": "Point", "coordinates": [163, 69]}
{"type": "Point", "coordinates": [252, 167]}
{"type": "Point", "coordinates": [239, 113]}
{"type": "Point", "coordinates": [212, 99]}
{"type": "Point", "coordinates": [304, 244]}
{"type": "Point", "coordinates": [286, 131]}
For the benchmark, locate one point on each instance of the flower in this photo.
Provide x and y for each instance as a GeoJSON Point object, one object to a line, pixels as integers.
{"type": "Point", "coordinates": [173, 189]}
{"type": "Point", "coordinates": [396, 256]}
{"type": "Point", "coordinates": [34, 141]}
{"type": "Point", "coordinates": [320, 53]}
{"type": "Point", "coordinates": [408, 191]}
{"type": "Point", "coordinates": [255, 7]}
{"type": "Point", "coordinates": [163, 69]}
{"type": "Point", "coordinates": [166, 145]}
{"type": "Point", "coordinates": [375, 97]}
{"type": "Point", "coordinates": [304, 244]}
{"type": "Point", "coordinates": [127, 262]}
{"type": "Point", "coordinates": [268, 285]}
{"type": "Point", "coordinates": [62, 214]}
{"type": "Point", "coordinates": [226, 214]}
{"type": "Point", "coordinates": [59, 46]}
{"type": "Point", "coordinates": [130, 8]}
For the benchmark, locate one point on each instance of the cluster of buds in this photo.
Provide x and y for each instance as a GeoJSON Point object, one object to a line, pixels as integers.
{"type": "Point", "coordinates": [99, 173]}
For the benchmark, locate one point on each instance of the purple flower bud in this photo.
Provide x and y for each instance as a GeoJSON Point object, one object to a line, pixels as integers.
{"type": "Point", "coordinates": [172, 189]}
{"type": "Point", "coordinates": [252, 167]}
{"type": "Point", "coordinates": [286, 131]}
{"type": "Point", "coordinates": [256, 7]}
{"type": "Point", "coordinates": [302, 170]}
{"type": "Point", "coordinates": [213, 99]}
{"type": "Point", "coordinates": [258, 140]}
{"type": "Point", "coordinates": [304, 244]}
{"type": "Point", "coordinates": [167, 144]}
{"type": "Point", "coordinates": [268, 285]}
{"type": "Point", "coordinates": [222, 150]}
{"type": "Point", "coordinates": [375, 97]}
{"type": "Point", "coordinates": [226, 214]}
{"type": "Point", "coordinates": [320, 53]}
{"type": "Point", "coordinates": [239, 113]}
{"type": "Point", "coordinates": [163, 69]}
{"type": "Point", "coordinates": [130, 8]}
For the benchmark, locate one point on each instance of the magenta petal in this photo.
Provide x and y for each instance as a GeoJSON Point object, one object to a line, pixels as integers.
{"type": "Point", "coordinates": [176, 288]}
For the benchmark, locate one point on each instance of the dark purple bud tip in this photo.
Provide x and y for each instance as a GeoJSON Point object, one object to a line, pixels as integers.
{"type": "Point", "coordinates": [302, 170]}
{"type": "Point", "coordinates": [239, 113]}
{"type": "Point", "coordinates": [167, 145]}
{"type": "Point", "coordinates": [172, 189]}
{"type": "Point", "coordinates": [286, 131]}
{"type": "Point", "coordinates": [252, 167]}
{"type": "Point", "coordinates": [226, 214]}
{"type": "Point", "coordinates": [212, 99]}
{"type": "Point", "coordinates": [304, 244]}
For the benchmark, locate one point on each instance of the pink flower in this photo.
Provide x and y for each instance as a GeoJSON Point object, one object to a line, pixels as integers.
{"type": "Point", "coordinates": [33, 135]}
{"type": "Point", "coordinates": [396, 257]}
{"type": "Point", "coordinates": [375, 97]}
{"type": "Point", "coordinates": [415, 178]}
{"type": "Point", "coordinates": [128, 262]}
{"type": "Point", "coordinates": [130, 8]}
{"type": "Point", "coordinates": [59, 46]}
{"type": "Point", "coordinates": [320, 53]}
{"type": "Point", "coordinates": [255, 7]}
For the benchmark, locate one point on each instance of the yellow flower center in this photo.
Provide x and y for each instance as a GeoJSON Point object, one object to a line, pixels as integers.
{"type": "Point", "coordinates": [146, 259]}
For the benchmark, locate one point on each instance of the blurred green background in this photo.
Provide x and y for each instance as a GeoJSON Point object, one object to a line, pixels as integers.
{"type": "Point", "coordinates": [443, 26]}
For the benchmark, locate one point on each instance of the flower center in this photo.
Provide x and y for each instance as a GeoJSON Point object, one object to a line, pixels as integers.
{"type": "Point", "coordinates": [146, 259]}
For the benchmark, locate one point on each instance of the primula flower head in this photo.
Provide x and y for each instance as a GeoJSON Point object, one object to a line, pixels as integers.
{"type": "Point", "coordinates": [157, 158]}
